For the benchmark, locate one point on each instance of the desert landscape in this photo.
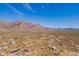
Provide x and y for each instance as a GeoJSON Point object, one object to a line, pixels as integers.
{"type": "Point", "coordinates": [25, 39]}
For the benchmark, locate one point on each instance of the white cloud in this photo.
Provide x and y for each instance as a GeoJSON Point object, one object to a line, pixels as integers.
{"type": "Point", "coordinates": [14, 9]}
{"type": "Point", "coordinates": [28, 7]}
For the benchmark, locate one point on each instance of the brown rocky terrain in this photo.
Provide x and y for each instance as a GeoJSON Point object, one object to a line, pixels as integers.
{"type": "Point", "coordinates": [25, 39]}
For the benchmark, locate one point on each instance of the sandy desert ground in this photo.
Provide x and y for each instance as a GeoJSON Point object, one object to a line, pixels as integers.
{"type": "Point", "coordinates": [27, 43]}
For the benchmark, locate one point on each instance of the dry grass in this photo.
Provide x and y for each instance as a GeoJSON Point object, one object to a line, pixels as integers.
{"type": "Point", "coordinates": [39, 44]}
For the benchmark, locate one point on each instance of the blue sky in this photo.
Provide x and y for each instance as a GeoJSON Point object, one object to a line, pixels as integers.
{"type": "Point", "coordinates": [54, 15]}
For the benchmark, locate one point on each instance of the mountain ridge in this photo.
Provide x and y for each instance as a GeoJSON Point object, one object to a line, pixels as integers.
{"type": "Point", "coordinates": [22, 26]}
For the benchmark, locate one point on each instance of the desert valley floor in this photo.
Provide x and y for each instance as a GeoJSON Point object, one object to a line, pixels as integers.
{"type": "Point", "coordinates": [27, 43]}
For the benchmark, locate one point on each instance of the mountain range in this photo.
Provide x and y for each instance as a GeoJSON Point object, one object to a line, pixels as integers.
{"type": "Point", "coordinates": [22, 26]}
{"type": "Point", "coordinates": [26, 26]}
